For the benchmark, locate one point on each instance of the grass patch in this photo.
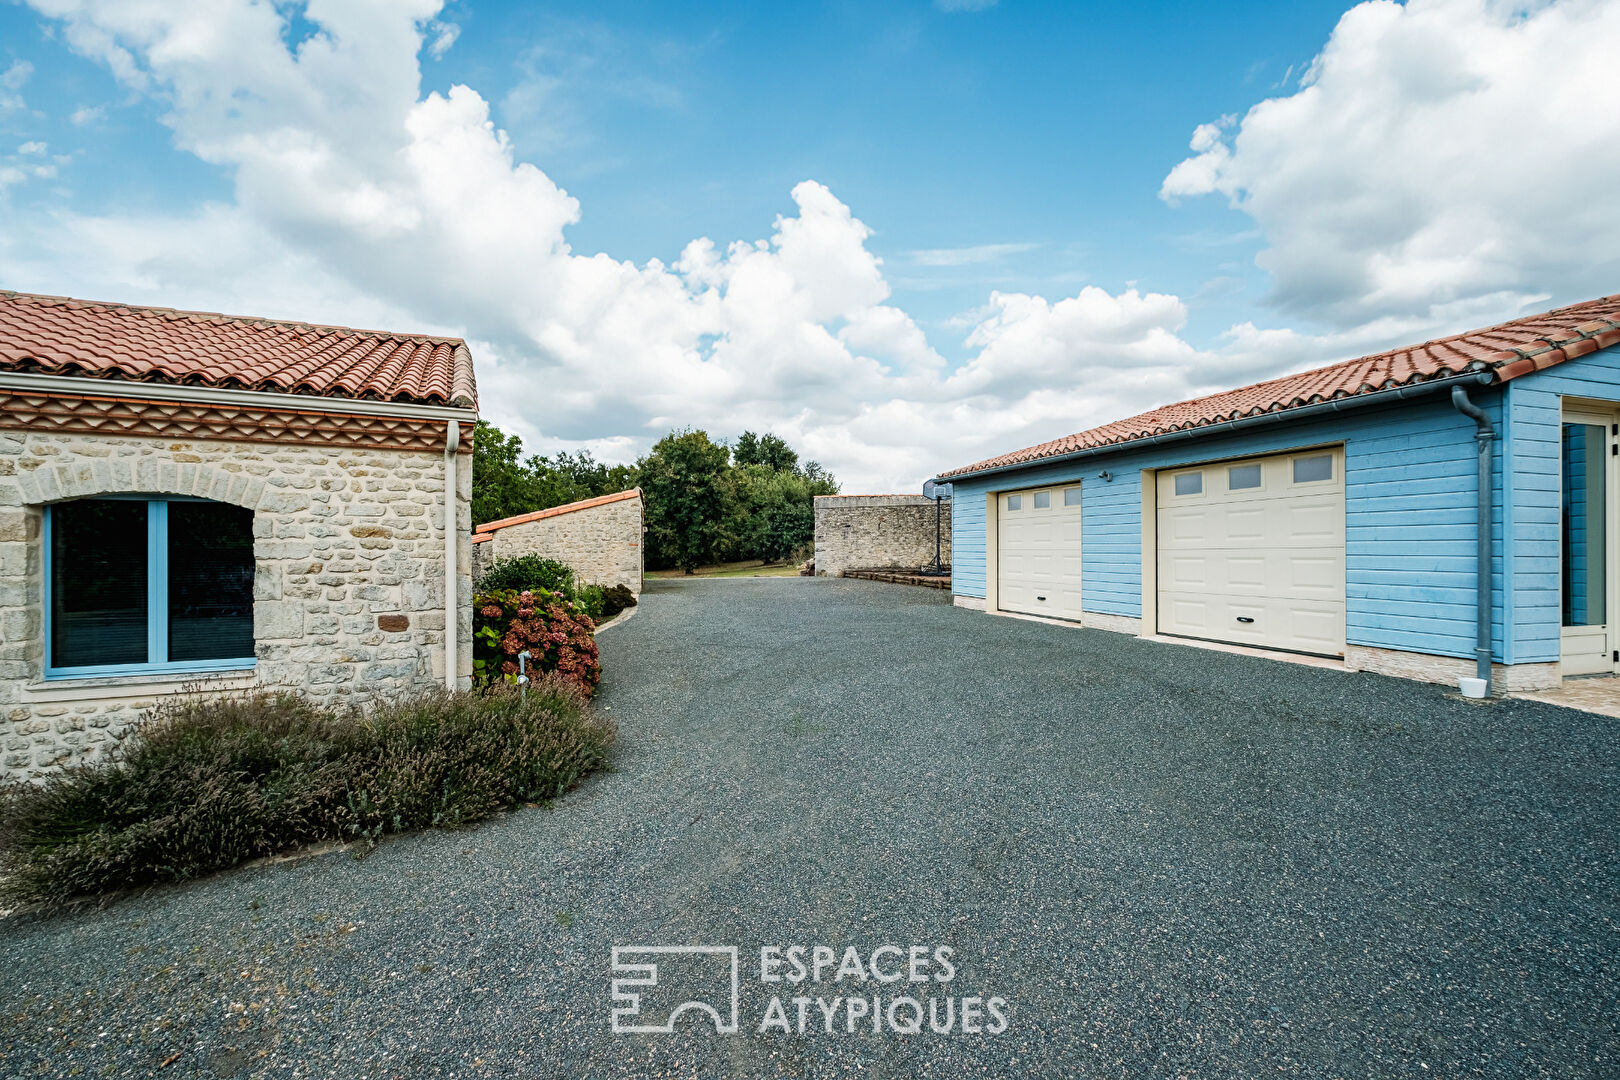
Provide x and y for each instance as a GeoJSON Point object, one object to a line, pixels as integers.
{"type": "Point", "coordinates": [211, 783]}
{"type": "Point", "coordinates": [746, 568]}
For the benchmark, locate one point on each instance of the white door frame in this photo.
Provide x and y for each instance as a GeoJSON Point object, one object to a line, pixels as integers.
{"type": "Point", "coordinates": [1590, 650]}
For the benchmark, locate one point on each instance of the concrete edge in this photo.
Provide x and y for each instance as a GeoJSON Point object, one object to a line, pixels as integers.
{"type": "Point", "coordinates": [622, 617]}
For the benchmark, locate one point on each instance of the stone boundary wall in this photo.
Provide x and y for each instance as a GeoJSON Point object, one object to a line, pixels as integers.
{"type": "Point", "coordinates": [858, 532]}
{"type": "Point", "coordinates": [600, 538]}
{"type": "Point", "coordinates": [346, 541]}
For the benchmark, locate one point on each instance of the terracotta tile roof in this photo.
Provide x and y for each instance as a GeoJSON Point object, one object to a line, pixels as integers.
{"type": "Point", "coordinates": [566, 508]}
{"type": "Point", "coordinates": [1508, 350]}
{"type": "Point", "coordinates": [55, 335]}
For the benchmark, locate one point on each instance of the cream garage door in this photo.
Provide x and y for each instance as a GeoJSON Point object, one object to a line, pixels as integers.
{"type": "Point", "coordinates": [1038, 551]}
{"type": "Point", "coordinates": [1252, 551]}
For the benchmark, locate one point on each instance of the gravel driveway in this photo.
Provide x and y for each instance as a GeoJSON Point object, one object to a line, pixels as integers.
{"type": "Point", "coordinates": [1302, 873]}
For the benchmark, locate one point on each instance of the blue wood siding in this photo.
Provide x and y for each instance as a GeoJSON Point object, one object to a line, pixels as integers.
{"type": "Point", "coordinates": [967, 541]}
{"type": "Point", "coordinates": [1533, 506]}
{"type": "Point", "coordinates": [1409, 518]}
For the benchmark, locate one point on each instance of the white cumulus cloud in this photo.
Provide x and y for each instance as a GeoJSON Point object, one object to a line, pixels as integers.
{"type": "Point", "coordinates": [1442, 159]}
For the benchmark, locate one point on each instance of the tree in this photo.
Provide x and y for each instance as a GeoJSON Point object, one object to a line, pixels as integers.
{"type": "Point", "coordinates": [771, 451]}
{"type": "Point", "coordinates": [506, 484]}
{"type": "Point", "coordinates": [688, 498]}
{"type": "Point", "coordinates": [503, 485]}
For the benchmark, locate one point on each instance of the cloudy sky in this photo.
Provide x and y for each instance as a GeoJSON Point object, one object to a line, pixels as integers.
{"type": "Point", "coordinates": [904, 235]}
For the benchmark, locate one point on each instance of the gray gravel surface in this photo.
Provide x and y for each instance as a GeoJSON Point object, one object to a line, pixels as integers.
{"type": "Point", "coordinates": [1168, 861]}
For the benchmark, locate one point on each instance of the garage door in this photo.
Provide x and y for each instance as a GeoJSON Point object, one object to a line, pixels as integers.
{"type": "Point", "coordinates": [1252, 551]}
{"type": "Point", "coordinates": [1038, 551]}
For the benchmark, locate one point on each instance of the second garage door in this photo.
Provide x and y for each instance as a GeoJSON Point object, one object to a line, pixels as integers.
{"type": "Point", "coordinates": [1038, 551]}
{"type": "Point", "coordinates": [1252, 551]}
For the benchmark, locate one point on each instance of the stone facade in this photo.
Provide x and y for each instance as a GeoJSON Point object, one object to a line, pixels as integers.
{"type": "Point", "coordinates": [600, 538]}
{"type": "Point", "coordinates": [872, 531]}
{"type": "Point", "coordinates": [348, 595]}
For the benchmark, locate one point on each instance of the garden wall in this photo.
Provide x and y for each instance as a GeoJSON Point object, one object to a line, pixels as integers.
{"type": "Point", "coordinates": [600, 538]}
{"type": "Point", "coordinates": [856, 532]}
{"type": "Point", "coordinates": [348, 593]}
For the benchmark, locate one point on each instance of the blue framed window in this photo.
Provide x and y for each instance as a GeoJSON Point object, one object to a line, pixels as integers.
{"type": "Point", "coordinates": [147, 585]}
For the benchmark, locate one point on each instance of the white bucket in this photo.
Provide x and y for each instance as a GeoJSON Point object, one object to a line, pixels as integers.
{"type": "Point", "coordinates": [1471, 688]}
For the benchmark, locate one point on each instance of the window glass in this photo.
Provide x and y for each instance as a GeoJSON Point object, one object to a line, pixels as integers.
{"type": "Point", "coordinates": [1015, 502]}
{"type": "Point", "coordinates": [1043, 499]}
{"type": "Point", "coordinates": [210, 581]}
{"type": "Point", "coordinates": [98, 582]}
{"type": "Point", "coordinates": [1189, 483]}
{"type": "Point", "coordinates": [1308, 470]}
{"type": "Point", "coordinates": [1239, 477]}
{"type": "Point", "coordinates": [1071, 496]}
{"type": "Point", "coordinates": [1584, 540]}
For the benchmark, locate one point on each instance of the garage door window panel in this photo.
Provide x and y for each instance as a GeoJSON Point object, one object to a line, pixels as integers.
{"type": "Point", "coordinates": [1315, 469]}
{"type": "Point", "coordinates": [1243, 477]}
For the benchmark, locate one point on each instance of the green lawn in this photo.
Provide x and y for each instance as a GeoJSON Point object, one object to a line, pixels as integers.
{"type": "Point", "coordinates": [747, 568]}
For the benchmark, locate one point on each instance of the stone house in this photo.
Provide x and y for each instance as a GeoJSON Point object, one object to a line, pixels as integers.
{"type": "Point", "coordinates": [599, 538]}
{"type": "Point", "coordinates": [191, 501]}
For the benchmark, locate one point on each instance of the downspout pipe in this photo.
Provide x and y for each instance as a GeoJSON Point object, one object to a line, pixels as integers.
{"type": "Point", "coordinates": [452, 580]}
{"type": "Point", "coordinates": [1484, 438]}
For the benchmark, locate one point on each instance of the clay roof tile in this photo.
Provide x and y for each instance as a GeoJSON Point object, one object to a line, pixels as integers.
{"type": "Point", "coordinates": [61, 336]}
{"type": "Point", "coordinates": [1538, 340]}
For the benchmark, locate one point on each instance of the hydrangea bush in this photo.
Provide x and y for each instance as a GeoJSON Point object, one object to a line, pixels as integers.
{"type": "Point", "coordinates": [557, 632]}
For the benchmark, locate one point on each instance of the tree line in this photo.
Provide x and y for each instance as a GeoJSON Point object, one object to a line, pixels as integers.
{"type": "Point", "coordinates": [706, 501]}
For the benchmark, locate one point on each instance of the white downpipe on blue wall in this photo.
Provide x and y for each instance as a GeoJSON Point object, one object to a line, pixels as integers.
{"type": "Point", "coordinates": [1484, 436]}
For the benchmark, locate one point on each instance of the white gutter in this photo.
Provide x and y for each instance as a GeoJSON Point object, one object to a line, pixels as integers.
{"type": "Point", "coordinates": [85, 386]}
{"type": "Point", "coordinates": [452, 576]}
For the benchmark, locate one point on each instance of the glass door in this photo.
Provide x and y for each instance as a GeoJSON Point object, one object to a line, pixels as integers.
{"type": "Point", "coordinates": [1587, 541]}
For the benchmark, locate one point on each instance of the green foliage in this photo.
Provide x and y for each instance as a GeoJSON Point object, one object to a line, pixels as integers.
{"type": "Point", "coordinates": [778, 516]}
{"type": "Point", "coordinates": [556, 631]}
{"type": "Point", "coordinates": [506, 484]}
{"type": "Point", "coordinates": [771, 451]}
{"type": "Point", "coordinates": [589, 599]}
{"type": "Point", "coordinates": [615, 599]}
{"type": "Point", "coordinates": [210, 783]}
{"type": "Point", "coordinates": [521, 572]}
{"type": "Point", "coordinates": [686, 484]}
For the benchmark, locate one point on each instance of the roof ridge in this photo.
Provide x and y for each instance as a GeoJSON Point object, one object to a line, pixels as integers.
{"type": "Point", "coordinates": [216, 316]}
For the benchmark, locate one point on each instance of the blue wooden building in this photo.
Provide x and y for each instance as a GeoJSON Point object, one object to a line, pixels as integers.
{"type": "Point", "coordinates": [1339, 512]}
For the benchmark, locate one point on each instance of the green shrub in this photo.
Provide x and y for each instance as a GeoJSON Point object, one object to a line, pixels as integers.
{"type": "Point", "coordinates": [556, 631]}
{"type": "Point", "coordinates": [589, 598]}
{"type": "Point", "coordinates": [615, 599]}
{"type": "Point", "coordinates": [520, 572]}
{"type": "Point", "coordinates": [207, 784]}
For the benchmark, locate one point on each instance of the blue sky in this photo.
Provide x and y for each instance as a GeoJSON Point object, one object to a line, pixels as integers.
{"type": "Point", "coordinates": [1006, 250]}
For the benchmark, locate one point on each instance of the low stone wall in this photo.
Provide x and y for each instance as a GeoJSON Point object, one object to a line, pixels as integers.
{"type": "Point", "coordinates": [858, 532]}
{"type": "Point", "coordinates": [600, 538]}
